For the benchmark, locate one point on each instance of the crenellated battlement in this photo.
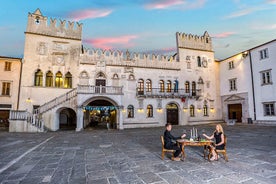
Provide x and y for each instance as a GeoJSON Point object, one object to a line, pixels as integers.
{"type": "Point", "coordinates": [120, 58]}
{"type": "Point", "coordinates": [194, 41]}
{"type": "Point", "coordinates": [39, 24]}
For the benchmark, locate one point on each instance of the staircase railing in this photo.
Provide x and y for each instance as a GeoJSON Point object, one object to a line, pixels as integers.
{"type": "Point", "coordinates": [56, 101]}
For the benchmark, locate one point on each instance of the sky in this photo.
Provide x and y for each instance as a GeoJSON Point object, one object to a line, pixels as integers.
{"type": "Point", "coordinates": [147, 26]}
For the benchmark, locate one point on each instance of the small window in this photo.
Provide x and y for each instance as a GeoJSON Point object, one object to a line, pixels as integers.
{"type": "Point", "coordinates": [232, 84]}
{"type": "Point", "coordinates": [269, 109]}
{"type": "Point", "coordinates": [140, 87]}
{"type": "Point", "coordinates": [205, 110]}
{"type": "Point", "coordinates": [187, 87]}
{"type": "Point", "coordinates": [193, 88]}
{"type": "Point", "coordinates": [7, 66]}
{"type": "Point", "coordinates": [115, 76]}
{"type": "Point", "coordinates": [6, 88]}
{"type": "Point", "coordinates": [189, 65]}
{"type": "Point", "coordinates": [161, 86]}
{"type": "Point", "coordinates": [264, 53]}
{"type": "Point", "coordinates": [231, 65]}
{"type": "Point", "coordinates": [266, 77]}
{"type": "Point", "coordinates": [198, 61]}
{"type": "Point", "coordinates": [149, 111]}
{"type": "Point", "coordinates": [130, 111]}
{"type": "Point", "coordinates": [192, 111]}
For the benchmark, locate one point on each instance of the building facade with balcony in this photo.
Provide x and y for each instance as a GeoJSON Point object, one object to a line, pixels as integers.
{"type": "Point", "coordinates": [65, 85]}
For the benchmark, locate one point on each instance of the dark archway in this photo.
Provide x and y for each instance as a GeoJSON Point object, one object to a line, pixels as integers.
{"type": "Point", "coordinates": [67, 119]}
{"type": "Point", "coordinates": [100, 114]}
{"type": "Point", "coordinates": [172, 113]}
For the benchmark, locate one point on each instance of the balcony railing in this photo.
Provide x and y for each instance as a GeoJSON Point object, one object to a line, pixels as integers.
{"type": "Point", "coordinates": [173, 93]}
{"type": "Point", "coordinates": [108, 90]}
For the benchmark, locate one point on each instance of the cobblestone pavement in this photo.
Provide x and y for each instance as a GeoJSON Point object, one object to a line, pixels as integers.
{"type": "Point", "coordinates": [134, 156]}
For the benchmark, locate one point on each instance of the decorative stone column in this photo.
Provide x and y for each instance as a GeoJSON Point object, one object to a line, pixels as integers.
{"type": "Point", "coordinates": [79, 119]}
{"type": "Point", "coordinates": [121, 126]}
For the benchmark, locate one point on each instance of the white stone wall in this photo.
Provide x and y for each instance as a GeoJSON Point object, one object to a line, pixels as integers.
{"type": "Point", "coordinates": [264, 93]}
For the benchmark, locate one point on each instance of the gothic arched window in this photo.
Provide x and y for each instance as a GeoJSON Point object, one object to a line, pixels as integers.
{"type": "Point", "coordinates": [149, 111]}
{"type": "Point", "coordinates": [68, 80]}
{"type": "Point", "coordinates": [161, 86]}
{"type": "Point", "coordinates": [192, 110]}
{"type": "Point", "coordinates": [187, 87]}
{"type": "Point", "coordinates": [38, 80]}
{"type": "Point", "coordinates": [205, 110]}
{"type": "Point", "coordinates": [58, 80]}
{"type": "Point", "coordinates": [130, 111]}
{"type": "Point", "coordinates": [140, 87]}
{"type": "Point", "coordinates": [193, 89]}
{"type": "Point", "coordinates": [169, 86]}
{"type": "Point", "coordinates": [49, 79]}
{"type": "Point", "coordinates": [148, 85]}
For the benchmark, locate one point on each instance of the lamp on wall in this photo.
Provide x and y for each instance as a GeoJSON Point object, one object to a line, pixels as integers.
{"type": "Point", "coordinates": [244, 54]}
{"type": "Point", "coordinates": [28, 100]}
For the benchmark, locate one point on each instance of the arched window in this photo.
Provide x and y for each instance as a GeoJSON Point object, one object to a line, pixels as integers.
{"type": "Point", "coordinates": [187, 87]}
{"type": "Point", "coordinates": [68, 80]}
{"type": "Point", "coordinates": [140, 87]}
{"type": "Point", "coordinates": [200, 81]}
{"type": "Point", "coordinates": [169, 86]}
{"type": "Point", "coordinates": [49, 79]}
{"type": "Point", "coordinates": [205, 110]}
{"type": "Point", "coordinates": [175, 86]}
{"type": "Point", "coordinates": [130, 111]}
{"type": "Point", "coordinates": [148, 85]}
{"type": "Point", "coordinates": [161, 86]}
{"type": "Point", "coordinates": [149, 111]}
{"type": "Point", "coordinates": [131, 77]}
{"type": "Point", "coordinates": [38, 81]}
{"type": "Point", "coordinates": [58, 80]}
{"type": "Point", "coordinates": [198, 61]}
{"type": "Point", "coordinates": [115, 76]}
{"type": "Point", "coordinates": [192, 110]}
{"type": "Point", "coordinates": [193, 89]}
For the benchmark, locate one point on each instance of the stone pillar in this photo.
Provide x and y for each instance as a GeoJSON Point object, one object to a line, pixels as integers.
{"type": "Point", "coordinates": [79, 119]}
{"type": "Point", "coordinates": [121, 126]}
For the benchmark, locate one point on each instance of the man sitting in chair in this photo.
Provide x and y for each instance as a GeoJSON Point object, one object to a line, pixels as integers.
{"type": "Point", "coordinates": [170, 142]}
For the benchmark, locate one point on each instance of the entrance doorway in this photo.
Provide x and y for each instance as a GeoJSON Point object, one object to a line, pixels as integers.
{"type": "Point", "coordinates": [235, 112]}
{"type": "Point", "coordinates": [100, 114]}
{"type": "Point", "coordinates": [172, 113]}
{"type": "Point", "coordinates": [4, 118]}
{"type": "Point", "coordinates": [67, 119]}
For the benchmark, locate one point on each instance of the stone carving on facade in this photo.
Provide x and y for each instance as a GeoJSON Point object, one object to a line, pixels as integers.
{"type": "Point", "coordinates": [42, 48]}
{"type": "Point", "coordinates": [128, 70]}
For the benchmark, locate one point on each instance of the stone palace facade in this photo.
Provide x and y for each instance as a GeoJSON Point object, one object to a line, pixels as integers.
{"type": "Point", "coordinates": [64, 85]}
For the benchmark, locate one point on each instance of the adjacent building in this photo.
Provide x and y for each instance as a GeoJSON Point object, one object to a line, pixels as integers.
{"type": "Point", "coordinates": [246, 85]}
{"type": "Point", "coordinates": [10, 68]}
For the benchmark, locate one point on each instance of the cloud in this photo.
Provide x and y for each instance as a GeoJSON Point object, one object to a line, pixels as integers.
{"type": "Point", "coordinates": [175, 4]}
{"type": "Point", "coordinates": [271, 1]}
{"type": "Point", "coordinates": [223, 35]}
{"type": "Point", "coordinates": [264, 27]}
{"type": "Point", "coordinates": [88, 14]}
{"type": "Point", "coordinates": [239, 13]}
{"type": "Point", "coordinates": [112, 42]}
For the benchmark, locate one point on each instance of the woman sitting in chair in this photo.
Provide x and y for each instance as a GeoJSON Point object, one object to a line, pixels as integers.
{"type": "Point", "coordinates": [219, 141]}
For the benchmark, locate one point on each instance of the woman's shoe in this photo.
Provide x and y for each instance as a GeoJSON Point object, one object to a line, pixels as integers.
{"type": "Point", "coordinates": [176, 159]}
{"type": "Point", "coordinates": [213, 158]}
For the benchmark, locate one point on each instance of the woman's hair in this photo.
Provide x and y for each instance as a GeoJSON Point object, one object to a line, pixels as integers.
{"type": "Point", "coordinates": [220, 128]}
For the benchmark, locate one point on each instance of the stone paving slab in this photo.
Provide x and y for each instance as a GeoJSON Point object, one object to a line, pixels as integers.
{"type": "Point", "coordinates": [134, 156]}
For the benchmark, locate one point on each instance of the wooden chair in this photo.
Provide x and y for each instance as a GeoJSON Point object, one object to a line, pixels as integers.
{"type": "Point", "coordinates": [223, 152]}
{"type": "Point", "coordinates": [164, 150]}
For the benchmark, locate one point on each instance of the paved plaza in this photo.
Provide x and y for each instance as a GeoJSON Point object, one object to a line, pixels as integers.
{"type": "Point", "coordinates": [134, 156]}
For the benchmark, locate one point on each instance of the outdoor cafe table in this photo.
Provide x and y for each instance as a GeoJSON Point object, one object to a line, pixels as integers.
{"type": "Point", "coordinates": [186, 142]}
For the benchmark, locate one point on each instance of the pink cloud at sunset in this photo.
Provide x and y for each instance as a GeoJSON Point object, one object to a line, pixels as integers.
{"type": "Point", "coordinates": [271, 1]}
{"type": "Point", "coordinates": [223, 35]}
{"type": "Point", "coordinates": [176, 4]}
{"type": "Point", "coordinates": [88, 14]}
{"type": "Point", "coordinates": [112, 42]}
{"type": "Point", "coordinates": [164, 4]}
